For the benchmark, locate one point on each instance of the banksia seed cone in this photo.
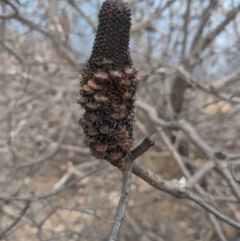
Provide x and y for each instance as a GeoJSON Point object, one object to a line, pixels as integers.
{"type": "Point", "coordinates": [108, 85]}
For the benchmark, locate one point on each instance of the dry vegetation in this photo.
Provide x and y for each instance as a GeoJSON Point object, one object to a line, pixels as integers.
{"type": "Point", "coordinates": [187, 53]}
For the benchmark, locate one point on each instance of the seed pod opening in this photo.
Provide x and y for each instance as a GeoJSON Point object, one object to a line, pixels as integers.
{"type": "Point", "coordinates": [93, 85]}
{"type": "Point", "coordinates": [100, 76]}
{"type": "Point", "coordinates": [100, 98]}
{"type": "Point", "coordinates": [101, 147]}
{"type": "Point", "coordinates": [104, 129]}
{"type": "Point", "coordinates": [93, 105]}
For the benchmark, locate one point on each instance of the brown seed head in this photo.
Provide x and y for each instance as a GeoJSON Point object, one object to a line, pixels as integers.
{"type": "Point", "coordinates": [108, 86]}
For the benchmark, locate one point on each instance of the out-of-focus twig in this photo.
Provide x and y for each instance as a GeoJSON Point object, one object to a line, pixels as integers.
{"type": "Point", "coordinates": [16, 221]}
{"type": "Point", "coordinates": [233, 173]}
{"type": "Point", "coordinates": [217, 228]}
{"type": "Point", "coordinates": [195, 139]}
{"type": "Point", "coordinates": [188, 175]}
{"type": "Point", "coordinates": [199, 174]}
{"type": "Point", "coordinates": [79, 10]}
{"type": "Point", "coordinates": [174, 187]}
{"type": "Point", "coordinates": [219, 28]}
{"type": "Point", "coordinates": [220, 83]}
{"type": "Point", "coordinates": [146, 22]}
{"type": "Point", "coordinates": [206, 14]}
{"type": "Point", "coordinates": [62, 135]}
{"type": "Point", "coordinates": [53, 191]}
{"type": "Point", "coordinates": [209, 89]}
{"type": "Point", "coordinates": [126, 168]}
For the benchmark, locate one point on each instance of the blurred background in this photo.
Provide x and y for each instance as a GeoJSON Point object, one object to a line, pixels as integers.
{"type": "Point", "coordinates": [187, 53]}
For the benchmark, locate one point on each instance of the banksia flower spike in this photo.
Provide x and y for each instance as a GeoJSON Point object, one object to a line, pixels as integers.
{"type": "Point", "coordinates": [108, 85]}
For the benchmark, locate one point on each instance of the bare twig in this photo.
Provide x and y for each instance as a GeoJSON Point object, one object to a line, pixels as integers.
{"type": "Point", "coordinates": [222, 168]}
{"type": "Point", "coordinates": [173, 151]}
{"type": "Point", "coordinates": [61, 137]}
{"type": "Point", "coordinates": [122, 206]}
{"type": "Point", "coordinates": [200, 173]}
{"type": "Point", "coordinates": [209, 89]}
{"type": "Point", "coordinates": [140, 149]}
{"type": "Point", "coordinates": [217, 228]}
{"type": "Point", "coordinates": [79, 10]}
{"type": "Point", "coordinates": [146, 22]}
{"type": "Point", "coordinates": [54, 192]}
{"type": "Point", "coordinates": [204, 19]}
{"type": "Point", "coordinates": [219, 83]}
{"type": "Point", "coordinates": [9, 15]}
{"type": "Point", "coordinates": [212, 35]}
{"type": "Point", "coordinates": [185, 27]}
{"type": "Point", "coordinates": [202, 146]}
{"type": "Point", "coordinates": [173, 187]}
{"type": "Point", "coordinates": [16, 221]}
{"type": "Point", "coordinates": [212, 210]}
{"type": "Point", "coordinates": [233, 173]}
{"type": "Point", "coordinates": [126, 168]}
{"type": "Point", "coordinates": [203, 171]}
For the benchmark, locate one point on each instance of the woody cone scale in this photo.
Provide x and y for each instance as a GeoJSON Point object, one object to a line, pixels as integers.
{"type": "Point", "coordinates": [108, 86]}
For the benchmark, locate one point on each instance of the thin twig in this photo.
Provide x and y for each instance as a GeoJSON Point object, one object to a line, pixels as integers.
{"type": "Point", "coordinates": [87, 18]}
{"type": "Point", "coordinates": [233, 173]}
{"type": "Point", "coordinates": [16, 221]}
{"type": "Point", "coordinates": [187, 174]}
{"type": "Point", "coordinates": [212, 210]}
{"type": "Point", "coordinates": [140, 149]}
{"type": "Point", "coordinates": [122, 206]}
{"type": "Point", "coordinates": [209, 89]}
{"type": "Point", "coordinates": [217, 227]}
{"type": "Point", "coordinates": [126, 168]}
{"type": "Point", "coordinates": [54, 192]}
{"type": "Point", "coordinates": [62, 134]}
{"type": "Point", "coordinates": [200, 173]}
{"type": "Point", "coordinates": [195, 139]}
{"type": "Point", "coordinates": [174, 152]}
{"type": "Point", "coordinates": [172, 187]}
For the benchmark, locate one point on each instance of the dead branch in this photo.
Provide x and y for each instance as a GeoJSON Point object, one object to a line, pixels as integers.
{"type": "Point", "coordinates": [209, 89]}
{"type": "Point", "coordinates": [176, 189]}
{"type": "Point", "coordinates": [233, 173]}
{"type": "Point", "coordinates": [16, 221]}
{"type": "Point", "coordinates": [122, 206]}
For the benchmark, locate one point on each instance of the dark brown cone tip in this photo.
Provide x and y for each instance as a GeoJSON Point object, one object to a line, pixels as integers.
{"type": "Point", "coordinates": [111, 44]}
{"type": "Point", "coordinates": [108, 86]}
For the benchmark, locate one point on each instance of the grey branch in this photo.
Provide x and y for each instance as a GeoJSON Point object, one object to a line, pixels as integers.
{"type": "Point", "coordinates": [16, 221]}
{"type": "Point", "coordinates": [122, 206]}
